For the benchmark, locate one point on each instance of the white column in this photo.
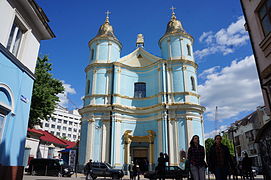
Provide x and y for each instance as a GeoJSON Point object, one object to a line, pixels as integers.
{"type": "Point", "coordinates": [94, 85]}
{"type": "Point", "coordinates": [159, 136]}
{"type": "Point", "coordinates": [89, 153]}
{"type": "Point", "coordinates": [189, 129]}
{"type": "Point", "coordinates": [118, 145]}
{"type": "Point", "coordinates": [104, 139]}
{"type": "Point", "coordinates": [109, 51]}
{"type": "Point", "coordinates": [169, 49]}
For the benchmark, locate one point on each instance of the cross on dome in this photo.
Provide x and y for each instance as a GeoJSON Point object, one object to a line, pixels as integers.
{"type": "Point", "coordinates": [172, 9]}
{"type": "Point", "coordinates": [107, 13]}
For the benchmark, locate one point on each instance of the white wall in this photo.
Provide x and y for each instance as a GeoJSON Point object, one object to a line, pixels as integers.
{"type": "Point", "coordinates": [6, 21]}
{"type": "Point", "coordinates": [33, 144]}
{"type": "Point", "coordinates": [29, 50]}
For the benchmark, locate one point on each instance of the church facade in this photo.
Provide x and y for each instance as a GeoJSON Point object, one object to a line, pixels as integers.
{"type": "Point", "coordinates": [139, 105]}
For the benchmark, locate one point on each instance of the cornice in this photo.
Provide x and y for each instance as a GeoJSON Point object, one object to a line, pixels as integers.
{"type": "Point", "coordinates": [145, 98]}
{"type": "Point", "coordinates": [105, 64]}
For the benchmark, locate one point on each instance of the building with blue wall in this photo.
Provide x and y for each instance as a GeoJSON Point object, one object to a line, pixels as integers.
{"type": "Point", "coordinates": [139, 105]}
{"type": "Point", "coordinates": [23, 25]}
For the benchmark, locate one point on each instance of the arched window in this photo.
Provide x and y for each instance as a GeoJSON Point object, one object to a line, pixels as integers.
{"type": "Point", "coordinates": [193, 83]}
{"type": "Point", "coordinates": [92, 54]}
{"type": "Point", "coordinates": [188, 50]}
{"type": "Point", "coordinates": [6, 106]}
{"type": "Point", "coordinates": [140, 90]}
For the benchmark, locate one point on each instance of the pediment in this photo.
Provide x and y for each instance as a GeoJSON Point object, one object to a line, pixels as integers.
{"type": "Point", "coordinates": [139, 58]}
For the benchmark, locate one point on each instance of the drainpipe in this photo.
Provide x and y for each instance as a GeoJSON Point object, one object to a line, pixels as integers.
{"type": "Point", "coordinates": [111, 102]}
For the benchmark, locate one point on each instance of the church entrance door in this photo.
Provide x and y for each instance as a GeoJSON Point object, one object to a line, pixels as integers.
{"type": "Point", "coordinates": [140, 157]}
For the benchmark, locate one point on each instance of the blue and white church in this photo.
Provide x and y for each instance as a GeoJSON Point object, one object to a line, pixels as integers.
{"type": "Point", "coordinates": [139, 105]}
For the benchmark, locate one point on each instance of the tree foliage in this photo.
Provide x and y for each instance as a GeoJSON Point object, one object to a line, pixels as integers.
{"type": "Point", "coordinates": [225, 140]}
{"type": "Point", "coordinates": [45, 90]}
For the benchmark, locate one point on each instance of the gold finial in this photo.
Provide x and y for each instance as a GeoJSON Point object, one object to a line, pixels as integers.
{"type": "Point", "coordinates": [107, 15]}
{"type": "Point", "coordinates": [173, 13]}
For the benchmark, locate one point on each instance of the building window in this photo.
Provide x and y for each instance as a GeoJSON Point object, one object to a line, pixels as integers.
{"type": "Point", "coordinates": [15, 38]}
{"type": "Point", "coordinates": [54, 119]}
{"type": "Point", "coordinates": [64, 134]}
{"type": "Point", "coordinates": [46, 125]}
{"type": "Point", "coordinates": [193, 83]}
{"type": "Point", "coordinates": [264, 16]}
{"type": "Point", "coordinates": [92, 54]}
{"type": "Point", "coordinates": [58, 127]}
{"type": "Point", "coordinates": [58, 133]}
{"type": "Point", "coordinates": [65, 121]}
{"type": "Point", "coordinates": [53, 126]}
{"type": "Point", "coordinates": [188, 50]}
{"type": "Point", "coordinates": [65, 128]}
{"type": "Point", "coordinates": [59, 121]}
{"type": "Point", "coordinates": [88, 86]}
{"type": "Point", "coordinates": [74, 136]}
{"type": "Point", "coordinates": [70, 123]}
{"type": "Point", "coordinates": [69, 135]}
{"type": "Point", "coordinates": [140, 90]}
{"type": "Point", "coordinates": [70, 129]}
{"type": "Point", "coordinates": [2, 124]}
{"type": "Point", "coordinates": [75, 130]}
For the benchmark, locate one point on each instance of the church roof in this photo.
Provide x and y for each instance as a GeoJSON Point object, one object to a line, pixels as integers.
{"type": "Point", "coordinates": [139, 58]}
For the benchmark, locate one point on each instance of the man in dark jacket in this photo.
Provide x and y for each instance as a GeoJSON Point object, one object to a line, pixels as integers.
{"type": "Point", "coordinates": [88, 169]}
{"type": "Point", "coordinates": [247, 167]}
{"type": "Point", "coordinates": [219, 160]}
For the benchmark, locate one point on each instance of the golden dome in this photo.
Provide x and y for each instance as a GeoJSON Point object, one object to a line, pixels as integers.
{"type": "Point", "coordinates": [106, 29]}
{"type": "Point", "coordinates": [106, 32]}
{"type": "Point", "coordinates": [174, 25]}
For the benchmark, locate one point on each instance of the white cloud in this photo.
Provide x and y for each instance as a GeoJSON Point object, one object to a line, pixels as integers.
{"type": "Point", "coordinates": [63, 97]}
{"type": "Point", "coordinates": [234, 89]}
{"type": "Point", "coordinates": [225, 40]}
{"type": "Point", "coordinates": [213, 133]}
{"type": "Point", "coordinates": [210, 71]}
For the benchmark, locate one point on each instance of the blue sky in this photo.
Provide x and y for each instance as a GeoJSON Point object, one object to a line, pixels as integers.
{"type": "Point", "coordinates": [227, 75]}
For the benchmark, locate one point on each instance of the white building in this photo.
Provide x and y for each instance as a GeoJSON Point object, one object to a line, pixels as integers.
{"type": "Point", "coordinates": [63, 123]}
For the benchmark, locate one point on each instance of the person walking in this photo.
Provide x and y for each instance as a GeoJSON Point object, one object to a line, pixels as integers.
{"type": "Point", "coordinates": [88, 169]}
{"type": "Point", "coordinates": [161, 167]}
{"type": "Point", "coordinates": [196, 155]}
{"type": "Point", "coordinates": [219, 160]}
{"type": "Point", "coordinates": [131, 170]}
{"type": "Point", "coordinates": [247, 167]}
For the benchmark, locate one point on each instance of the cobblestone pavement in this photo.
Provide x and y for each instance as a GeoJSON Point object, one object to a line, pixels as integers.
{"type": "Point", "coordinates": [82, 177]}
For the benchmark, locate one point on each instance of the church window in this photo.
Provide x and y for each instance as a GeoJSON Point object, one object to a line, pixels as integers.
{"type": "Point", "coordinates": [88, 86]}
{"type": "Point", "coordinates": [92, 54]}
{"type": "Point", "coordinates": [140, 90]}
{"type": "Point", "coordinates": [188, 50]}
{"type": "Point", "coordinates": [193, 83]}
{"type": "Point", "coordinates": [15, 37]}
{"type": "Point", "coordinates": [264, 14]}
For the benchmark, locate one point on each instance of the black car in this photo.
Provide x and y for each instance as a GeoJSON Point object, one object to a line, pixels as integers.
{"type": "Point", "coordinates": [171, 172]}
{"type": "Point", "coordinates": [100, 169]}
{"type": "Point", "coordinates": [50, 167]}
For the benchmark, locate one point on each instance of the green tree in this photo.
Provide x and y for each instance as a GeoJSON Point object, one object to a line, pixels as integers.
{"type": "Point", "coordinates": [208, 144]}
{"type": "Point", "coordinates": [225, 140]}
{"type": "Point", "coordinates": [45, 90]}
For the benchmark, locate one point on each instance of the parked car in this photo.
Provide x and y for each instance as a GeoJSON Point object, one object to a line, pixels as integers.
{"type": "Point", "coordinates": [100, 169]}
{"type": "Point", "coordinates": [50, 167]}
{"type": "Point", "coordinates": [171, 172]}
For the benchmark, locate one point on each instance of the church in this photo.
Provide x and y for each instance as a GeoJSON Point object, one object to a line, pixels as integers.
{"type": "Point", "coordinates": [139, 105]}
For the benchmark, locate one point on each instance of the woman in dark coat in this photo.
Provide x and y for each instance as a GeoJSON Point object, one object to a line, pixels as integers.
{"type": "Point", "coordinates": [196, 155]}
